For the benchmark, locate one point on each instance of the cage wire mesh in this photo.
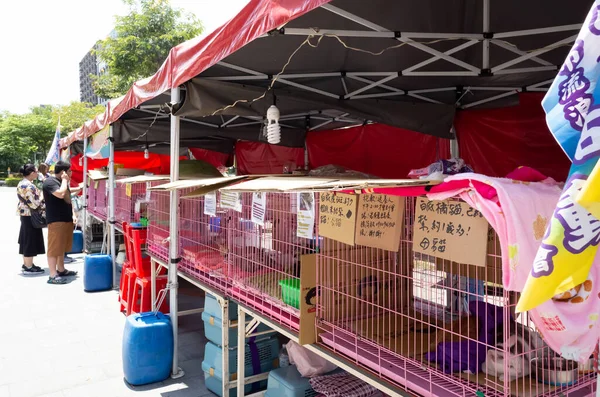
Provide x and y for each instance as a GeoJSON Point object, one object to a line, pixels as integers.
{"type": "Point", "coordinates": [263, 261]}
{"type": "Point", "coordinates": [203, 240]}
{"type": "Point", "coordinates": [130, 202]}
{"type": "Point", "coordinates": [430, 325]}
{"type": "Point", "coordinates": [159, 224]}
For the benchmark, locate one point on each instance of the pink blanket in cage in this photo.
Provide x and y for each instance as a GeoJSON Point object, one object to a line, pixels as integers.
{"type": "Point", "coordinates": [519, 214]}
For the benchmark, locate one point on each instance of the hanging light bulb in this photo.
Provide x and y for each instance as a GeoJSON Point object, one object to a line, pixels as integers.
{"type": "Point", "coordinates": [146, 153]}
{"type": "Point", "coordinates": [273, 127]}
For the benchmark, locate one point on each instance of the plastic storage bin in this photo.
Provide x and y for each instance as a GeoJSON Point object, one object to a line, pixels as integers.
{"type": "Point", "coordinates": [77, 247]}
{"type": "Point", "coordinates": [97, 273]}
{"type": "Point", "coordinates": [147, 348]}
{"type": "Point", "coordinates": [213, 322]}
{"type": "Point", "coordinates": [290, 291]}
{"type": "Point", "coordinates": [287, 382]}
{"type": "Point", "coordinates": [260, 358]}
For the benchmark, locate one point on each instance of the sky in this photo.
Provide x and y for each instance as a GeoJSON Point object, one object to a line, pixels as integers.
{"type": "Point", "coordinates": [42, 42]}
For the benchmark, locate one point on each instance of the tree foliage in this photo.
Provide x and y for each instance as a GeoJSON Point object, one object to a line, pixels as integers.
{"type": "Point", "coordinates": [141, 43]}
{"type": "Point", "coordinates": [27, 137]}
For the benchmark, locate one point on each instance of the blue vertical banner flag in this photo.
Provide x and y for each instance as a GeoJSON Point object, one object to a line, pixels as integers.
{"type": "Point", "coordinates": [572, 107]}
{"type": "Point", "coordinates": [54, 152]}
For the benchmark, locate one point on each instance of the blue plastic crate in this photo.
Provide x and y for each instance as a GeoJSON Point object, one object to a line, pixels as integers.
{"type": "Point", "coordinates": [266, 353]}
{"type": "Point", "coordinates": [213, 323]}
{"type": "Point", "coordinates": [287, 382]}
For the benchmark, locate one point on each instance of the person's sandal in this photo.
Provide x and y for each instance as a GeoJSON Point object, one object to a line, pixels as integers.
{"type": "Point", "coordinates": [67, 273]}
{"type": "Point", "coordinates": [56, 280]}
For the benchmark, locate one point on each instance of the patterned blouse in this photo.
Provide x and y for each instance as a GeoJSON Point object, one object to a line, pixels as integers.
{"type": "Point", "coordinates": [32, 195]}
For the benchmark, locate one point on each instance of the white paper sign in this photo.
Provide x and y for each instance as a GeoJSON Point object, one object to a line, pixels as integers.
{"type": "Point", "coordinates": [259, 208]}
{"type": "Point", "coordinates": [148, 192]}
{"type": "Point", "coordinates": [232, 200]}
{"type": "Point", "coordinates": [210, 204]}
{"type": "Point", "coordinates": [306, 214]}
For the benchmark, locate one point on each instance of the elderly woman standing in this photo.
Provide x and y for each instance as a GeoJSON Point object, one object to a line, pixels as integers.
{"type": "Point", "coordinates": [31, 240]}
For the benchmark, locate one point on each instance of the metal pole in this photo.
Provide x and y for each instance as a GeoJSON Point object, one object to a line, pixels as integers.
{"type": "Point", "coordinates": [241, 346]}
{"type": "Point", "coordinates": [111, 204]}
{"type": "Point", "coordinates": [174, 234]}
{"type": "Point", "coordinates": [224, 304]}
{"type": "Point", "coordinates": [454, 152]}
{"type": "Point", "coordinates": [486, 30]}
{"type": "Point", "coordinates": [85, 191]}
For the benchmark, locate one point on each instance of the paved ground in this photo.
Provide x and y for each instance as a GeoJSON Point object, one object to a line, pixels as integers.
{"type": "Point", "coordinates": [59, 341]}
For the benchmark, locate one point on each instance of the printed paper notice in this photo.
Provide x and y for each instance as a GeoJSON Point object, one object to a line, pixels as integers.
{"type": "Point", "coordinates": [210, 204]}
{"type": "Point", "coordinates": [450, 230]}
{"type": "Point", "coordinates": [380, 219]}
{"type": "Point", "coordinates": [306, 214]}
{"type": "Point", "coordinates": [259, 208]}
{"type": "Point", "coordinates": [337, 216]}
{"type": "Point", "coordinates": [148, 191]}
{"type": "Point", "coordinates": [231, 200]}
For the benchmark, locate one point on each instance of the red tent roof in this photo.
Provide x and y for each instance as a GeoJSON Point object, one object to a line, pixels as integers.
{"type": "Point", "coordinates": [194, 56]}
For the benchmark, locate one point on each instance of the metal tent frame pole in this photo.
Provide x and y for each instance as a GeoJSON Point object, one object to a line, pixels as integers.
{"type": "Point", "coordinates": [85, 192]}
{"type": "Point", "coordinates": [111, 204]}
{"type": "Point", "coordinates": [174, 235]}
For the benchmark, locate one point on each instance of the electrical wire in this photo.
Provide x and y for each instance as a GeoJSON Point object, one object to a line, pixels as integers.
{"type": "Point", "coordinates": [308, 42]}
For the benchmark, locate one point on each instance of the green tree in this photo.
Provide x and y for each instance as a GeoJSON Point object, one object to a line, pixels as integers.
{"type": "Point", "coordinates": [27, 137]}
{"type": "Point", "coordinates": [73, 116]}
{"type": "Point", "coordinates": [141, 43]}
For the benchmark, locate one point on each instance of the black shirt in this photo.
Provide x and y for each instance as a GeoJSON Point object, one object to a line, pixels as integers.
{"type": "Point", "coordinates": [57, 209]}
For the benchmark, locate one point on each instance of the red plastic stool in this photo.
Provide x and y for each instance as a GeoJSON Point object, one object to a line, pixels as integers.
{"type": "Point", "coordinates": [140, 299]}
{"type": "Point", "coordinates": [128, 278]}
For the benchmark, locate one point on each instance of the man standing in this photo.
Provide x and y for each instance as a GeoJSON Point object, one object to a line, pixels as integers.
{"type": "Point", "coordinates": [59, 215]}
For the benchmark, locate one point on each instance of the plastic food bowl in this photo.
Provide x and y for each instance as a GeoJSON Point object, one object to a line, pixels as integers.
{"type": "Point", "coordinates": [290, 291]}
{"type": "Point", "coordinates": [556, 371]}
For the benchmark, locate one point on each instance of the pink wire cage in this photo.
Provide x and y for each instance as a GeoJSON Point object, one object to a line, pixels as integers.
{"type": "Point", "coordinates": [158, 224]}
{"type": "Point", "coordinates": [263, 261]}
{"type": "Point", "coordinates": [127, 198]}
{"type": "Point", "coordinates": [432, 326]}
{"type": "Point", "coordinates": [97, 198]}
{"type": "Point", "coordinates": [203, 242]}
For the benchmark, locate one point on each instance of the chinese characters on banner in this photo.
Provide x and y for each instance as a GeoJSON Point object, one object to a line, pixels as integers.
{"type": "Point", "coordinates": [231, 200]}
{"type": "Point", "coordinates": [572, 107]}
{"type": "Point", "coordinates": [210, 204]}
{"type": "Point", "coordinates": [306, 215]}
{"type": "Point", "coordinates": [337, 216]}
{"type": "Point", "coordinates": [259, 208]}
{"type": "Point", "coordinates": [380, 220]}
{"type": "Point", "coordinates": [450, 230]}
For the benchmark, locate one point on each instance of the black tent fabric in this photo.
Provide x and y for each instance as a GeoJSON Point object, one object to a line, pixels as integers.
{"type": "Point", "coordinates": [399, 62]}
{"type": "Point", "coordinates": [209, 99]}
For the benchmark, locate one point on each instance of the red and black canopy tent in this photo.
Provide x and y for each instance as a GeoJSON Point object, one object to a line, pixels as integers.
{"type": "Point", "coordinates": [430, 67]}
{"type": "Point", "coordinates": [434, 60]}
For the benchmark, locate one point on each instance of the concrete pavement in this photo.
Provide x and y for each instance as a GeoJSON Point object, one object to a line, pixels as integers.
{"type": "Point", "coordinates": [59, 341]}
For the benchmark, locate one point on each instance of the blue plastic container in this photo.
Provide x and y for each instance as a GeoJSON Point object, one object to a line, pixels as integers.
{"type": "Point", "coordinates": [262, 357]}
{"type": "Point", "coordinates": [97, 273]}
{"type": "Point", "coordinates": [287, 382]}
{"type": "Point", "coordinates": [213, 322]}
{"type": "Point", "coordinates": [147, 348]}
{"type": "Point", "coordinates": [77, 247]}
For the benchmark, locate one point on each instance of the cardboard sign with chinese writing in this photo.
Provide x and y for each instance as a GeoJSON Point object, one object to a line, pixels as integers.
{"type": "Point", "coordinates": [379, 221]}
{"type": "Point", "coordinates": [450, 230]}
{"type": "Point", "coordinates": [306, 215]}
{"type": "Point", "coordinates": [337, 216]}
